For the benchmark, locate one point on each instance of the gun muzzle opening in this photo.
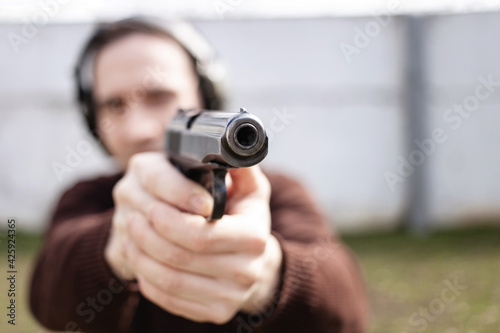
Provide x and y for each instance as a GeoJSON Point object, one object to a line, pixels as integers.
{"type": "Point", "coordinates": [246, 136]}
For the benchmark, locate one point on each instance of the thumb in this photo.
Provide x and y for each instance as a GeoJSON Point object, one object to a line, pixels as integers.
{"type": "Point", "coordinates": [247, 181]}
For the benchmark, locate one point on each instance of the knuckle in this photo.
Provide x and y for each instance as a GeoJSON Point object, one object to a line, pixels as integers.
{"type": "Point", "coordinates": [161, 228]}
{"type": "Point", "coordinates": [119, 222]}
{"type": "Point", "coordinates": [119, 191]}
{"type": "Point", "coordinates": [173, 283]}
{"type": "Point", "coordinates": [164, 300]}
{"type": "Point", "coordinates": [122, 191]}
{"type": "Point", "coordinates": [143, 167]}
{"type": "Point", "coordinates": [151, 178]}
{"type": "Point", "coordinates": [137, 233]}
{"type": "Point", "coordinates": [201, 242]}
{"type": "Point", "coordinates": [156, 178]}
{"type": "Point", "coordinates": [163, 218]}
{"type": "Point", "coordinates": [258, 243]}
{"type": "Point", "coordinates": [135, 162]}
{"type": "Point", "coordinates": [125, 223]}
{"type": "Point", "coordinates": [222, 313]}
{"type": "Point", "coordinates": [178, 257]}
{"type": "Point", "coordinates": [132, 256]}
{"type": "Point", "coordinates": [246, 278]}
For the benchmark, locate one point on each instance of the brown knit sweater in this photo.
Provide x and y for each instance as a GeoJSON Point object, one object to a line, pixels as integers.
{"type": "Point", "coordinates": [73, 288]}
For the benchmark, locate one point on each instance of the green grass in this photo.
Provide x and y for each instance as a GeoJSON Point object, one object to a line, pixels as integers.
{"type": "Point", "coordinates": [403, 274]}
{"type": "Point", "coordinates": [27, 246]}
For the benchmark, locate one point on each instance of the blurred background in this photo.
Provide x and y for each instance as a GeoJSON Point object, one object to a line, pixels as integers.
{"type": "Point", "coordinates": [388, 111]}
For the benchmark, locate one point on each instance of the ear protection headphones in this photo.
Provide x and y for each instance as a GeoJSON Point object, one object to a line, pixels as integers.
{"type": "Point", "coordinates": [210, 72]}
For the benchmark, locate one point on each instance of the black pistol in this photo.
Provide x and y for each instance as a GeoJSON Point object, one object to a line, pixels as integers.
{"type": "Point", "coordinates": [204, 144]}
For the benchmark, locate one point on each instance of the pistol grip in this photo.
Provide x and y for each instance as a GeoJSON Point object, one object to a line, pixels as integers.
{"type": "Point", "coordinates": [218, 193]}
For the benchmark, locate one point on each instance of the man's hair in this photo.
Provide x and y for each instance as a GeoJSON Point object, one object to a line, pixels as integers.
{"type": "Point", "coordinates": [202, 56]}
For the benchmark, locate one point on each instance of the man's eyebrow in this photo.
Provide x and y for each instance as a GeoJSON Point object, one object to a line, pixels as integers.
{"type": "Point", "coordinates": [147, 92]}
{"type": "Point", "coordinates": [156, 91]}
{"type": "Point", "coordinates": [159, 90]}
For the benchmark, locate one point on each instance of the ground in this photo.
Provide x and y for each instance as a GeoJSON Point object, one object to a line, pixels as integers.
{"type": "Point", "coordinates": [447, 282]}
{"type": "Point", "coordinates": [407, 276]}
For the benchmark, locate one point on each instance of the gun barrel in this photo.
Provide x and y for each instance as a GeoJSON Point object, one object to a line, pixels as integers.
{"type": "Point", "coordinates": [231, 139]}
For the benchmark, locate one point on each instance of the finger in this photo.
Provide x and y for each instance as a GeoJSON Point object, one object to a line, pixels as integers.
{"type": "Point", "coordinates": [229, 185]}
{"type": "Point", "coordinates": [176, 305]}
{"type": "Point", "coordinates": [160, 178]}
{"type": "Point", "coordinates": [195, 287]}
{"type": "Point", "coordinates": [240, 268]}
{"type": "Point", "coordinates": [120, 220]}
{"type": "Point", "coordinates": [130, 195]}
{"type": "Point", "coordinates": [249, 180]}
{"type": "Point", "coordinates": [230, 234]}
{"type": "Point", "coordinates": [250, 193]}
{"type": "Point", "coordinates": [162, 250]}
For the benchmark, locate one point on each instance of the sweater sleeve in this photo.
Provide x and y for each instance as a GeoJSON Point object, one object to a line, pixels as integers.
{"type": "Point", "coordinates": [321, 288]}
{"type": "Point", "coordinates": [73, 287]}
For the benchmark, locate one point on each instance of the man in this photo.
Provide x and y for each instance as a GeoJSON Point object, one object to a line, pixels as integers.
{"type": "Point", "coordinates": [134, 253]}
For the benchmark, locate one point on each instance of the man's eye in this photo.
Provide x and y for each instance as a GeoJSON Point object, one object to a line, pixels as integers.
{"type": "Point", "coordinates": [116, 105]}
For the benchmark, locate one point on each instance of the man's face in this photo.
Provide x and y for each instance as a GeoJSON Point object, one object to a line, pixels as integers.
{"type": "Point", "coordinates": [140, 82]}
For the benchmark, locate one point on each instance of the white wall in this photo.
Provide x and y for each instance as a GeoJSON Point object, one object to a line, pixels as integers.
{"type": "Point", "coordinates": [349, 125]}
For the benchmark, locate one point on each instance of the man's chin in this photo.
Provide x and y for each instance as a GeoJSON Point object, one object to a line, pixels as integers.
{"type": "Point", "coordinates": [124, 161]}
{"type": "Point", "coordinates": [148, 150]}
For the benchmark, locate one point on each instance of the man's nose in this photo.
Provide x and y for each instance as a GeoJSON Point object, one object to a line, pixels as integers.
{"type": "Point", "coordinates": [143, 126]}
